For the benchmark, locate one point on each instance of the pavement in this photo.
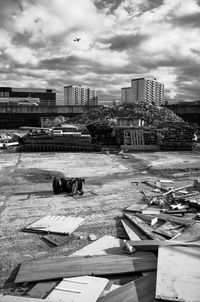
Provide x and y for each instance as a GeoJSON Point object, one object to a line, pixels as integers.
{"type": "Point", "coordinates": [26, 195]}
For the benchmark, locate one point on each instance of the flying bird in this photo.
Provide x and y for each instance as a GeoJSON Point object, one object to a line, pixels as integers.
{"type": "Point", "coordinates": [77, 39]}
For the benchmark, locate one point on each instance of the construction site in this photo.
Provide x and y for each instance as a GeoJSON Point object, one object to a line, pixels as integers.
{"type": "Point", "coordinates": [102, 207]}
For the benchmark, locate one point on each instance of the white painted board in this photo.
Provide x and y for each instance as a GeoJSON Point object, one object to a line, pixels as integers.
{"type": "Point", "coordinates": [56, 224]}
{"type": "Point", "coordinates": [78, 289]}
{"type": "Point", "coordinates": [178, 274]}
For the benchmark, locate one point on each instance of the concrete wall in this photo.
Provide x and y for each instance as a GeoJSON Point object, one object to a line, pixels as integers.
{"type": "Point", "coordinates": [15, 116]}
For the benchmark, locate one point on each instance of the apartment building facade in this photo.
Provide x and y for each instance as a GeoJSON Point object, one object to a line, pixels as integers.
{"type": "Point", "coordinates": [80, 96]}
{"type": "Point", "coordinates": [143, 90]}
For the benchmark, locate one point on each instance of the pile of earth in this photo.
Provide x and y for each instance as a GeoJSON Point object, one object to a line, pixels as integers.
{"type": "Point", "coordinates": [148, 112]}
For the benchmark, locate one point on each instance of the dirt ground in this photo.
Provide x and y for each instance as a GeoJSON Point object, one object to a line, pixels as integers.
{"type": "Point", "coordinates": [26, 195]}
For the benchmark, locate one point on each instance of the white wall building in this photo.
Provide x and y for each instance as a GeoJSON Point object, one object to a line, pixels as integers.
{"type": "Point", "coordinates": [143, 90]}
{"type": "Point", "coordinates": [80, 96]}
{"type": "Point", "coordinates": [126, 95]}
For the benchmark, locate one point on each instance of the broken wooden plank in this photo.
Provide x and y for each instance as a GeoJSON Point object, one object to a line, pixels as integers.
{"type": "Point", "coordinates": [176, 190]}
{"type": "Point", "coordinates": [177, 220]}
{"type": "Point", "coordinates": [55, 224]}
{"type": "Point", "coordinates": [56, 239]}
{"type": "Point", "coordinates": [182, 211]}
{"type": "Point", "coordinates": [142, 226]}
{"type": "Point", "coordinates": [178, 280]}
{"type": "Point", "coordinates": [186, 196]}
{"type": "Point", "coordinates": [169, 229]}
{"type": "Point", "coordinates": [104, 245]}
{"type": "Point", "coordinates": [78, 289]}
{"type": "Point", "coordinates": [154, 186]}
{"type": "Point", "coordinates": [153, 245]}
{"type": "Point", "coordinates": [135, 207]}
{"type": "Point", "coordinates": [140, 290]}
{"type": "Point", "coordinates": [151, 211]}
{"type": "Point", "coordinates": [150, 219]}
{"type": "Point", "coordinates": [132, 232]}
{"type": "Point", "coordinates": [41, 290]}
{"type": "Point", "coordinates": [191, 233]}
{"type": "Point", "coordinates": [57, 268]}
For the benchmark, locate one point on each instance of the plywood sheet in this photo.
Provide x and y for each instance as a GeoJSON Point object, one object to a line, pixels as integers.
{"type": "Point", "coordinates": [55, 224]}
{"type": "Point", "coordinates": [105, 245]}
{"type": "Point", "coordinates": [57, 268]}
{"type": "Point", "coordinates": [140, 290]}
{"type": "Point", "coordinates": [78, 289]}
{"type": "Point", "coordinates": [178, 274]}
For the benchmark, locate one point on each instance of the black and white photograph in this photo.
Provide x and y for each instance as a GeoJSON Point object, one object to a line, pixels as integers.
{"type": "Point", "coordinates": [100, 150]}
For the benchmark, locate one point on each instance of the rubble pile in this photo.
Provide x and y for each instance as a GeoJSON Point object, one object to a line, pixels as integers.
{"type": "Point", "coordinates": [156, 261]}
{"type": "Point", "coordinates": [147, 112]}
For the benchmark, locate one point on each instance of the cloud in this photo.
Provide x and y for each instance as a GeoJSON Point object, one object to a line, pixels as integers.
{"type": "Point", "coordinates": [125, 42]}
{"type": "Point", "coordinates": [120, 40]}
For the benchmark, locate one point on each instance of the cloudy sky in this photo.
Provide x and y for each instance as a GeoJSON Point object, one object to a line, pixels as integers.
{"type": "Point", "coordinates": [120, 40]}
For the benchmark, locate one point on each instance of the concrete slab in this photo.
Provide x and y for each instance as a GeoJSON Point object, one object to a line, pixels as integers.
{"type": "Point", "coordinates": [170, 160]}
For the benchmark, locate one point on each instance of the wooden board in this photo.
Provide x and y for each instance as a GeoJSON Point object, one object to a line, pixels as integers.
{"type": "Point", "coordinates": [41, 290]}
{"type": "Point", "coordinates": [140, 290]}
{"type": "Point", "coordinates": [55, 224]}
{"type": "Point", "coordinates": [142, 226]}
{"type": "Point", "coordinates": [151, 211]}
{"type": "Point", "coordinates": [192, 233]}
{"type": "Point", "coordinates": [54, 240]}
{"type": "Point", "coordinates": [78, 289]}
{"type": "Point", "coordinates": [8, 298]}
{"type": "Point", "coordinates": [178, 274]}
{"type": "Point", "coordinates": [136, 207]}
{"type": "Point", "coordinates": [169, 229]}
{"type": "Point", "coordinates": [105, 245]}
{"type": "Point", "coordinates": [58, 268]}
{"type": "Point", "coordinates": [132, 232]}
{"type": "Point", "coordinates": [177, 220]}
{"type": "Point", "coordinates": [153, 245]}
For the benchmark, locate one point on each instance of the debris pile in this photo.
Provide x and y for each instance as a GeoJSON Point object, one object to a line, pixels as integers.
{"type": "Point", "coordinates": [62, 138]}
{"type": "Point", "coordinates": [158, 259]}
{"type": "Point", "coordinates": [148, 112]}
{"type": "Point", "coordinates": [176, 136]}
{"type": "Point", "coordinates": [8, 140]}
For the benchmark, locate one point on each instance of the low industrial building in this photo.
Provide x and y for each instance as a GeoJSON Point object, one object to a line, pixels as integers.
{"type": "Point", "coordinates": [40, 96]}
